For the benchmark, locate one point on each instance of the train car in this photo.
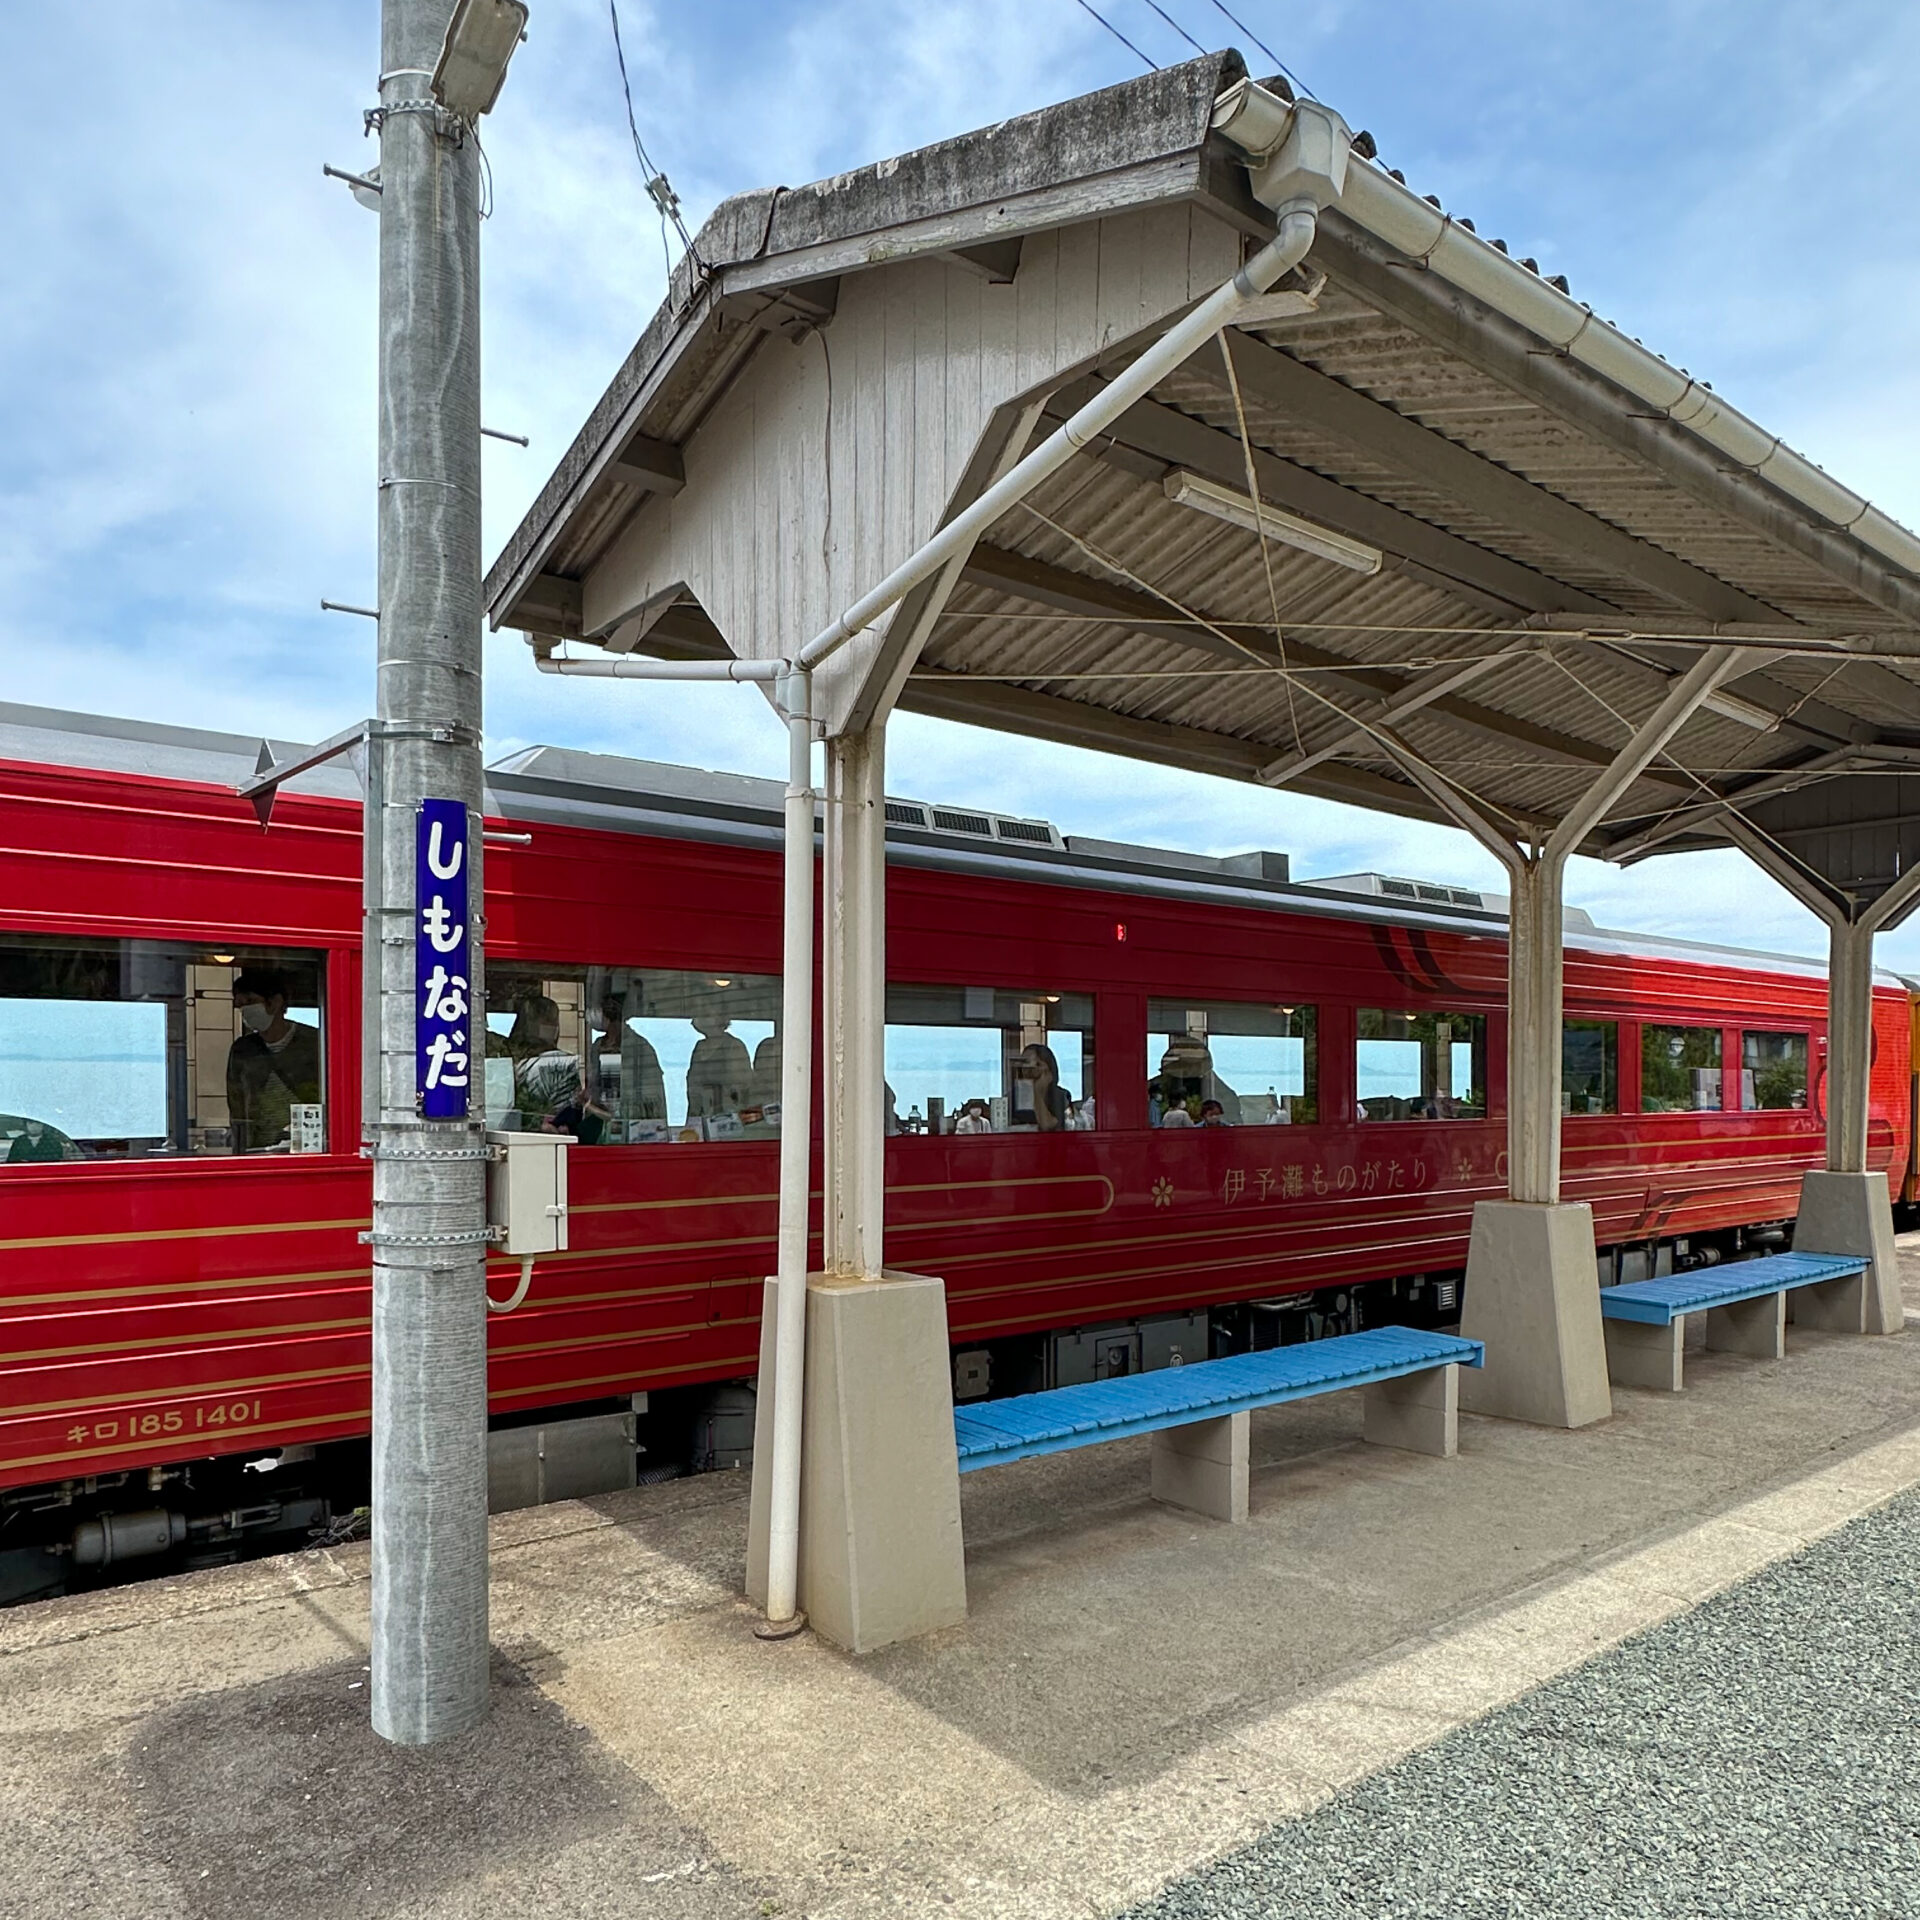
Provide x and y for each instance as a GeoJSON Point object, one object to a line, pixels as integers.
{"type": "Point", "coordinates": [1143, 1106]}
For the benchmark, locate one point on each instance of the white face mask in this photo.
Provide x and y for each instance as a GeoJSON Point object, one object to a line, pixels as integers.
{"type": "Point", "coordinates": [256, 1017]}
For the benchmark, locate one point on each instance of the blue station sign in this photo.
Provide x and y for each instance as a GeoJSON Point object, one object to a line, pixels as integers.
{"type": "Point", "coordinates": [443, 995]}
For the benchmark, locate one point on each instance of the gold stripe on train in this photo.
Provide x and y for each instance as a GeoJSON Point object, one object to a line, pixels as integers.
{"type": "Point", "coordinates": [181, 1233]}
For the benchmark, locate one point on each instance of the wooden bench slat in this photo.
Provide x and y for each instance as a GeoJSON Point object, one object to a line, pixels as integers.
{"type": "Point", "coordinates": [988, 1433]}
{"type": "Point", "coordinates": [1658, 1303]}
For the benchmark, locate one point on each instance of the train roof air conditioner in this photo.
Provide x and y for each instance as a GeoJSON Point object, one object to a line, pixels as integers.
{"type": "Point", "coordinates": [1425, 893]}
{"type": "Point", "coordinates": [1428, 893]}
{"type": "Point", "coordinates": [973, 823]}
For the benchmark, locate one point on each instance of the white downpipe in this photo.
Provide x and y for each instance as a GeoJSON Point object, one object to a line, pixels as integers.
{"type": "Point", "coordinates": [1285, 250]}
{"type": "Point", "coordinates": [627, 666]}
{"type": "Point", "coordinates": [796, 1119]}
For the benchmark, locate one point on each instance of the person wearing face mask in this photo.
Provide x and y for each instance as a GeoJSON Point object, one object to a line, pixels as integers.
{"type": "Point", "coordinates": [273, 1066]}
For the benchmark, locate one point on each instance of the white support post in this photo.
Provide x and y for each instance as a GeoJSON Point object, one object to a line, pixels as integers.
{"type": "Point", "coordinates": [1845, 1207]}
{"type": "Point", "coordinates": [1849, 1043]}
{"type": "Point", "coordinates": [856, 972]}
{"type": "Point", "coordinates": [1532, 1294]}
{"type": "Point", "coordinates": [1535, 951]}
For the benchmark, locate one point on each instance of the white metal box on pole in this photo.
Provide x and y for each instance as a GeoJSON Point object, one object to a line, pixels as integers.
{"type": "Point", "coordinates": [527, 1192]}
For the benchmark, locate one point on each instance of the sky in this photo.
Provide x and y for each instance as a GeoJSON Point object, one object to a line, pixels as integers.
{"type": "Point", "coordinates": [187, 336]}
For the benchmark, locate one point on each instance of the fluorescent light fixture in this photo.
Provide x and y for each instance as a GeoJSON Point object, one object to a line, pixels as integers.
{"type": "Point", "coordinates": [1729, 706]}
{"type": "Point", "coordinates": [1189, 490]}
{"type": "Point", "coordinates": [472, 66]}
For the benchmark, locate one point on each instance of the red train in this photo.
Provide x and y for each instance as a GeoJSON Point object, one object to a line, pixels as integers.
{"type": "Point", "coordinates": [1146, 1106]}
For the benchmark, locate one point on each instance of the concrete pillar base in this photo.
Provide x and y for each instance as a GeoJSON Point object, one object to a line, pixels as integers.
{"type": "Point", "coordinates": [1420, 1412]}
{"type": "Point", "coordinates": [1849, 1213]}
{"type": "Point", "coordinates": [1203, 1467]}
{"type": "Point", "coordinates": [881, 1556]}
{"type": "Point", "coordinates": [1756, 1327]}
{"type": "Point", "coordinates": [1534, 1298]}
{"type": "Point", "coordinates": [1639, 1355]}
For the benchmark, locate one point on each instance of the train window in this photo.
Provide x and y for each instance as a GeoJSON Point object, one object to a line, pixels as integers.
{"type": "Point", "coordinates": [121, 1049]}
{"type": "Point", "coordinates": [633, 1056]}
{"type": "Point", "coordinates": [1773, 1070]}
{"type": "Point", "coordinates": [988, 1060]}
{"type": "Point", "coordinates": [1254, 1062]}
{"type": "Point", "coordinates": [1421, 1066]}
{"type": "Point", "coordinates": [1589, 1067]}
{"type": "Point", "coordinates": [1680, 1070]}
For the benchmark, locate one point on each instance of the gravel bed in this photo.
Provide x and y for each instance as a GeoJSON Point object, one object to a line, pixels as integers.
{"type": "Point", "coordinates": [1758, 1756]}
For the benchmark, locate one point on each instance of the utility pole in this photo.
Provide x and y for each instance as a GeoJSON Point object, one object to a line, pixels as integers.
{"type": "Point", "coordinates": [425, 1002]}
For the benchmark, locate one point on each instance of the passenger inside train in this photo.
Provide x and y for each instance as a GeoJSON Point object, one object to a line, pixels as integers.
{"type": "Point", "coordinates": [1207, 1050]}
{"type": "Point", "coordinates": [633, 1056]}
{"type": "Point", "coordinates": [979, 1060]}
{"type": "Point", "coordinates": [122, 1049]}
{"type": "Point", "coordinates": [720, 1072]}
{"type": "Point", "coordinates": [1039, 1100]}
{"type": "Point", "coordinates": [549, 1081]}
{"type": "Point", "coordinates": [1187, 1084]}
{"type": "Point", "coordinates": [272, 1066]}
{"type": "Point", "coordinates": [632, 1086]}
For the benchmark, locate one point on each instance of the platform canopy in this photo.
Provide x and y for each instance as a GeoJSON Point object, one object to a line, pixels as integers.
{"type": "Point", "coordinates": [1537, 525]}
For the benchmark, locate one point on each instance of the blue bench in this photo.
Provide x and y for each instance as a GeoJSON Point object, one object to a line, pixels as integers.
{"type": "Point", "coordinates": [1745, 1304]}
{"type": "Point", "coordinates": [1198, 1413]}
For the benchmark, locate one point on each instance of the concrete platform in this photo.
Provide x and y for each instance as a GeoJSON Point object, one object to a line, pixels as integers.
{"type": "Point", "coordinates": [1136, 1691]}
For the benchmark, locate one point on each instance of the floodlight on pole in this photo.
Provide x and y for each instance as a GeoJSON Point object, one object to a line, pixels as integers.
{"type": "Point", "coordinates": [472, 67]}
{"type": "Point", "coordinates": [1207, 496]}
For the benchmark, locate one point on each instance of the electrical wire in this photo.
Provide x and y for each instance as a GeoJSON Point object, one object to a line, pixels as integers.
{"type": "Point", "coordinates": [1299, 86]}
{"type": "Point", "coordinates": [1086, 6]}
{"type": "Point", "coordinates": [1259, 523]}
{"type": "Point", "coordinates": [658, 191]}
{"type": "Point", "coordinates": [486, 176]}
{"type": "Point", "coordinates": [1178, 28]}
